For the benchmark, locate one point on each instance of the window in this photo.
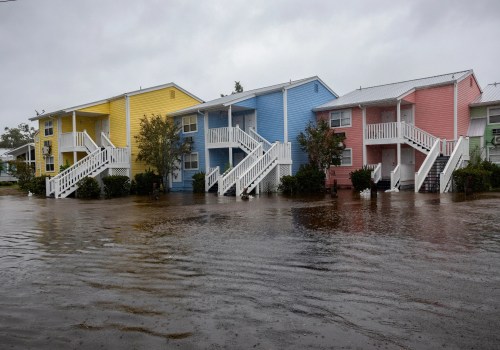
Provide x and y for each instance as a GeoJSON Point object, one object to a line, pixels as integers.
{"type": "Point", "coordinates": [191, 161]}
{"type": "Point", "coordinates": [190, 123]}
{"type": "Point", "coordinates": [49, 129]}
{"type": "Point", "coordinates": [346, 157]}
{"type": "Point", "coordinates": [494, 115]}
{"type": "Point", "coordinates": [49, 163]}
{"type": "Point", "coordinates": [339, 119]}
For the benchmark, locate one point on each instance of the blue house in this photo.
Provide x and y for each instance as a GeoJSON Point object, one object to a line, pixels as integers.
{"type": "Point", "coordinates": [248, 140]}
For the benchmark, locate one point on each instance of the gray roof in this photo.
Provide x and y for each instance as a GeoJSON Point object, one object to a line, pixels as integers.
{"type": "Point", "coordinates": [228, 100]}
{"type": "Point", "coordinates": [131, 93]}
{"type": "Point", "coordinates": [490, 96]}
{"type": "Point", "coordinates": [390, 93]}
{"type": "Point", "coordinates": [21, 149]}
{"type": "Point", "coordinates": [476, 127]}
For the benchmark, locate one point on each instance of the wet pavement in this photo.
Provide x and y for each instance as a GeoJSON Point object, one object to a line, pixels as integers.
{"type": "Point", "coordinates": [403, 271]}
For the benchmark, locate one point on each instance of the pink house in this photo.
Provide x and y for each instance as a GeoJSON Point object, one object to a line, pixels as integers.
{"type": "Point", "coordinates": [410, 133]}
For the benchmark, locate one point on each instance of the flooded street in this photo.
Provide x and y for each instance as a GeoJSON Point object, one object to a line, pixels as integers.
{"type": "Point", "coordinates": [403, 271]}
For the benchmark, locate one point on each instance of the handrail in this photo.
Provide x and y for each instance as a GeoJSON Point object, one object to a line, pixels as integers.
{"type": "Point", "coordinates": [244, 139]}
{"type": "Point", "coordinates": [256, 169]}
{"type": "Point", "coordinates": [395, 177]}
{"type": "Point", "coordinates": [459, 154]}
{"type": "Point", "coordinates": [418, 136]}
{"type": "Point", "coordinates": [229, 179]}
{"type": "Point", "coordinates": [376, 173]}
{"type": "Point", "coordinates": [212, 177]}
{"type": "Point", "coordinates": [421, 174]}
{"type": "Point", "coordinates": [107, 140]}
{"type": "Point", "coordinates": [447, 147]}
{"type": "Point", "coordinates": [89, 144]}
{"type": "Point", "coordinates": [266, 144]}
{"type": "Point", "coordinates": [381, 131]}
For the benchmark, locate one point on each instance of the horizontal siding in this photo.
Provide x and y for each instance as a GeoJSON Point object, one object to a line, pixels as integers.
{"type": "Point", "coordinates": [411, 98]}
{"type": "Point", "coordinates": [219, 157]}
{"type": "Point", "coordinates": [118, 123]}
{"type": "Point", "coordinates": [301, 100]}
{"type": "Point", "coordinates": [250, 103]}
{"type": "Point", "coordinates": [102, 108]}
{"type": "Point", "coordinates": [434, 111]}
{"type": "Point", "coordinates": [54, 138]}
{"type": "Point", "coordinates": [217, 119]}
{"type": "Point", "coordinates": [468, 91]}
{"type": "Point", "coordinates": [478, 112]}
{"type": "Point", "coordinates": [270, 116]}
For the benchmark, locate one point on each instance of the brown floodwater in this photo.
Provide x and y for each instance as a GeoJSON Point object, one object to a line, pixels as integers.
{"type": "Point", "coordinates": [402, 271]}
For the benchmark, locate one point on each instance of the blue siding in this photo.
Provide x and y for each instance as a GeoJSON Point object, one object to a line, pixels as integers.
{"type": "Point", "coordinates": [219, 157]}
{"type": "Point", "coordinates": [270, 116]}
{"type": "Point", "coordinates": [197, 146]}
{"type": "Point", "coordinates": [301, 100]}
{"type": "Point", "coordinates": [217, 119]}
{"type": "Point", "coordinates": [250, 103]}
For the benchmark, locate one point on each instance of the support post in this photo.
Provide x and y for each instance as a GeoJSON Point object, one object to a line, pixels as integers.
{"type": "Point", "coordinates": [398, 113]}
{"type": "Point", "coordinates": [74, 137]}
{"type": "Point", "coordinates": [364, 134]}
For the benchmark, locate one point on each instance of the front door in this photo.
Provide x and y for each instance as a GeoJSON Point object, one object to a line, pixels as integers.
{"type": "Point", "coordinates": [388, 162]}
{"type": "Point", "coordinates": [407, 116]}
{"type": "Point", "coordinates": [238, 121]}
{"type": "Point", "coordinates": [250, 122]}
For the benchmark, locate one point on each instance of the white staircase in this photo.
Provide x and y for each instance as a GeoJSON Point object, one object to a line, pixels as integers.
{"type": "Point", "coordinates": [262, 157]}
{"type": "Point", "coordinates": [98, 160]}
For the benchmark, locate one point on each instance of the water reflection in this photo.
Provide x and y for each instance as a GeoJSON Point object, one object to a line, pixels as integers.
{"type": "Point", "coordinates": [403, 270]}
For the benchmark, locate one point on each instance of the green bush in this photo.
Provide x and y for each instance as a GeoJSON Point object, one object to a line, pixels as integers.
{"type": "Point", "coordinates": [23, 172]}
{"type": "Point", "coordinates": [477, 179]}
{"type": "Point", "coordinates": [64, 167]}
{"type": "Point", "coordinates": [116, 186]}
{"type": "Point", "coordinates": [310, 179]}
{"type": "Point", "coordinates": [361, 178]}
{"type": "Point", "coordinates": [143, 184]}
{"type": "Point", "coordinates": [495, 172]}
{"type": "Point", "coordinates": [88, 188]}
{"type": "Point", "coordinates": [288, 184]}
{"type": "Point", "coordinates": [199, 182]}
{"type": "Point", "coordinates": [37, 185]}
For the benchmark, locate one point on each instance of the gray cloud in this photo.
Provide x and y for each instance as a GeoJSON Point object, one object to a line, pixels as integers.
{"type": "Point", "coordinates": [59, 53]}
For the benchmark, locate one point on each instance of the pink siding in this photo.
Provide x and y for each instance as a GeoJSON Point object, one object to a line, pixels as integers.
{"type": "Point", "coordinates": [468, 90]}
{"type": "Point", "coordinates": [354, 140]}
{"type": "Point", "coordinates": [373, 115]}
{"type": "Point", "coordinates": [411, 98]}
{"type": "Point", "coordinates": [374, 154]}
{"type": "Point", "coordinates": [434, 110]}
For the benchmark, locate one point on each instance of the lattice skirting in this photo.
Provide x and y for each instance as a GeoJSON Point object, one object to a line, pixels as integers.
{"type": "Point", "coordinates": [119, 171]}
{"type": "Point", "coordinates": [271, 182]}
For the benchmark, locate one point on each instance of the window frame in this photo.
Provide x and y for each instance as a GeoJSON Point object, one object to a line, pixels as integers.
{"type": "Point", "coordinates": [48, 126]}
{"type": "Point", "coordinates": [184, 161]}
{"type": "Point", "coordinates": [340, 112]}
{"type": "Point", "coordinates": [48, 163]}
{"type": "Point", "coordinates": [342, 158]}
{"type": "Point", "coordinates": [189, 124]}
{"type": "Point", "coordinates": [495, 115]}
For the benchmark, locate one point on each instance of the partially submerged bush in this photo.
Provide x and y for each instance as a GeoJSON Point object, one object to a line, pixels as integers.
{"type": "Point", "coordinates": [308, 179]}
{"type": "Point", "coordinates": [143, 184]}
{"type": "Point", "coordinates": [88, 188]}
{"type": "Point", "coordinates": [361, 178]}
{"type": "Point", "coordinates": [23, 172]}
{"type": "Point", "coordinates": [199, 182]}
{"type": "Point", "coordinates": [288, 184]}
{"type": "Point", "coordinates": [478, 180]}
{"type": "Point", "coordinates": [37, 185]}
{"type": "Point", "coordinates": [116, 186]}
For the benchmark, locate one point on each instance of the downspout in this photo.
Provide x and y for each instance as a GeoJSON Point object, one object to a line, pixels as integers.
{"type": "Point", "coordinates": [127, 125]}
{"type": "Point", "coordinates": [207, 154]}
{"type": "Point", "coordinates": [455, 111]}
{"type": "Point", "coordinates": [230, 124]}
{"type": "Point", "coordinates": [398, 113]}
{"type": "Point", "coordinates": [74, 137]}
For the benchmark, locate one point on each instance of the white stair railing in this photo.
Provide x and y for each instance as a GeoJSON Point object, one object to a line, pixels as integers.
{"type": "Point", "coordinates": [376, 174]}
{"type": "Point", "coordinates": [395, 177]}
{"type": "Point", "coordinates": [89, 144]}
{"type": "Point", "coordinates": [212, 177]}
{"type": "Point", "coordinates": [447, 147]}
{"type": "Point", "coordinates": [265, 144]}
{"type": "Point", "coordinates": [228, 180]}
{"type": "Point", "coordinates": [381, 131]}
{"type": "Point", "coordinates": [417, 136]}
{"type": "Point", "coordinates": [421, 174]}
{"type": "Point", "coordinates": [459, 154]}
{"type": "Point", "coordinates": [105, 141]}
{"type": "Point", "coordinates": [246, 142]}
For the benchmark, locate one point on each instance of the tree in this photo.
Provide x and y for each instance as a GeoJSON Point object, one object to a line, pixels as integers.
{"type": "Point", "coordinates": [160, 145]}
{"type": "Point", "coordinates": [323, 146]}
{"type": "Point", "coordinates": [16, 137]}
{"type": "Point", "coordinates": [237, 88]}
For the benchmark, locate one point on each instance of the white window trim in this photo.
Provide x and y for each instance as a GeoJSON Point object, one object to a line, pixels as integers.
{"type": "Point", "coordinates": [341, 126]}
{"type": "Point", "coordinates": [53, 163]}
{"type": "Point", "coordinates": [196, 123]}
{"type": "Point", "coordinates": [488, 112]}
{"type": "Point", "coordinates": [350, 164]}
{"type": "Point", "coordinates": [47, 128]}
{"type": "Point", "coordinates": [197, 161]}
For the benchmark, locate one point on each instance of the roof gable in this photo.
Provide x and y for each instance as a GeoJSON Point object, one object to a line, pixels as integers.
{"type": "Point", "coordinates": [490, 96]}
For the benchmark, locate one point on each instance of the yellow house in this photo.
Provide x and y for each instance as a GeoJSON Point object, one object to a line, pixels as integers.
{"type": "Point", "coordinates": [98, 137]}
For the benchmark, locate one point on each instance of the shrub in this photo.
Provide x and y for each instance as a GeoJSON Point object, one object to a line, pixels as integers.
{"type": "Point", "coordinates": [495, 172]}
{"type": "Point", "coordinates": [37, 185]}
{"type": "Point", "coordinates": [199, 182]}
{"type": "Point", "coordinates": [88, 187]}
{"type": "Point", "coordinates": [64, 167]}
{"type": "Point", "coordinates": [288, 184]}
{"type": "Point", "coordinates": [144, 182]}
{"type": "Point", "coordinates": [116, 186]}
{"type": "Point", "coordinates": [23, 172]}
{"type": "Point", "coordinates": [310, 179]}
{"type": "Point", "coordinates": [477, 179]}
{"type": "Point", "coordinates": [361, 178]}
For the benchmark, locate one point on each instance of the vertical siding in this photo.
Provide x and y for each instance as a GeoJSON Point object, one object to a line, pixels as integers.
{"type": "Point", "coordinates": [301, 100]}
{"type": "Point", "coordinates": [468, 91]}
{"type": "Point", "coordinates": [147, 104]}
{"type": "Point", "coordinates": [434, 111]}
{"type": "Point", "coordinates": [354, 140]}
{"type": "Point", "coordinates": [270, 116]}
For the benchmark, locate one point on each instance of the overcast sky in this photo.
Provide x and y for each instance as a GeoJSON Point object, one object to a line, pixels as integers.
{"type": "Point", "coordinates": [61, 53]}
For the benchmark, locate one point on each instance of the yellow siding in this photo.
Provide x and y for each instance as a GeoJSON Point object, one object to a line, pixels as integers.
{"type": "Point", "coordinates": [148, 103]}
{"type": "Point", "coordinates": [118, 123]}
{"type": "Point", "coordinates": [102, 108]}
{"type": "Point", "coordinates": [40, 160]}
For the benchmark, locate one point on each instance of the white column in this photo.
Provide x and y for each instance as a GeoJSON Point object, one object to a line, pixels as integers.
{"type": "Point", "coordinates": [74, 137]}
{"type": "Point", "coordinates": [207, 154]}
{"type": "Point", "coordinates": [398, 113]}
{"type": "Point", "coordinates": [59, 137]}
{"type": "Point", "coordinates": [455, 111]}
{"type": "Point", "coordinates": [127, 126]}
{"type": "Point", "coordinates": [285, 115]}
{"type": "Point", "coordinates": [230, 124]}
{"type": "Point", "coordinates": [364, 135]}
